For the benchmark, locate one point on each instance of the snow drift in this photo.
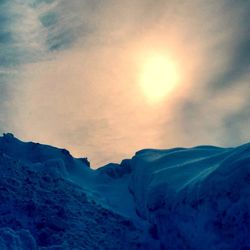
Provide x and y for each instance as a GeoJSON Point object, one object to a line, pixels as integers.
{"type": "Point", "coordinates": [197, 198]}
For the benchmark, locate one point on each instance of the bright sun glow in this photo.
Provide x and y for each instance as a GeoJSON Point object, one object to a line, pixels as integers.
{"type": "Point", "coordinates": [158, 78]}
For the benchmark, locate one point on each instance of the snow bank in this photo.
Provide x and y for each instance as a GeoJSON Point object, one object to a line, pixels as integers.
{"type": "Point", "coordinates": [196, 198]}
{"type": "Point", "coordinates": [41, 208]}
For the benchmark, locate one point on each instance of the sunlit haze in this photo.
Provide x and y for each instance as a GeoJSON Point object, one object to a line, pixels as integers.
{"type": "Point", "coordinates": [158, 77]}
{"type": "Point", "coordinates": [105, 79]}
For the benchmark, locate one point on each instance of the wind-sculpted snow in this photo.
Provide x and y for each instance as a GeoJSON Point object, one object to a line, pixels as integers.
{"type": "Point", "coordinates": [197, 198]}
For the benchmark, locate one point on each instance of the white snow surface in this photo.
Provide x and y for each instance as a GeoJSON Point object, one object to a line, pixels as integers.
{"type": "Point", "coordinates": [195, 198]}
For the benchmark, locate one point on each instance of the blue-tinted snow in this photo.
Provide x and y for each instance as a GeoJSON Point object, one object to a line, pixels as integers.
{"type": "Point", "coordinates": [197, 198]}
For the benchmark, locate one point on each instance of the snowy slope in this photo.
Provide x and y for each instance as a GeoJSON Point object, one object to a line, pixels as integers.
{"type": "Point", "coordinates": [41, 207]}
{"type": "Point", "coordinates": [197, 198]}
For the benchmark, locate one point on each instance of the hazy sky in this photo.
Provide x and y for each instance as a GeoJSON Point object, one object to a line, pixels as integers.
{"type": "Point", "coordinates": [69, 74]}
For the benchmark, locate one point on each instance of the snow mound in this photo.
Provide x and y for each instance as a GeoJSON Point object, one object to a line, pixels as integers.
{"type": "Point", "coordinates": [182, 198]}
{"type": "Point", "coordinates": [41, 209]}
{"type": "Point", "coordinates": [195, 198]}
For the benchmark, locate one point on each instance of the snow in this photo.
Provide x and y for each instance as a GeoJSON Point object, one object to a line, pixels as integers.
{"type": "Point", "coordinates": [10, 239]}
{"type": "Point", "coordinates": [50, 207]}
{"type": "Point", "coordinates": [194, 198]}
{"type": "Point", "coordinates": [198, 198]}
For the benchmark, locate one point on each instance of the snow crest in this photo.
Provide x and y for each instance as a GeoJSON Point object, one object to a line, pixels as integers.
{"type": "Point", "coordinates": [196, 198]}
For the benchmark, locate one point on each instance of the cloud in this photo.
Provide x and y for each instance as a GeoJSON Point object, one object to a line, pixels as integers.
{"type": "Point", "coordinates": [70, 69]}
{"type": "Point", "coordinates": [215, 109]}
{"type": "Point", "coordinates": [7, 80]}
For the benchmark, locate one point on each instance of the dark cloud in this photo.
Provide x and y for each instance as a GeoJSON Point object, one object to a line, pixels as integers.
{"type": "Point", "coordinates": [20, 34]}
{"type": "Point", "coordinates": [60, 33]}
{"type": "Point", "coordinates": [236, 126]}
{"type": "Point", "coordinates": [239, 61]}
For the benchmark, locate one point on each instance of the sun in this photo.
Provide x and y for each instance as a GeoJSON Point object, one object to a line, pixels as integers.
{"type": "Point", "coordinates": [158, 77]}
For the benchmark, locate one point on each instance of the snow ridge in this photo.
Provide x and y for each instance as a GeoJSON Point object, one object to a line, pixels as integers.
{"type": "Point", "coordinates": [196, 198]}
